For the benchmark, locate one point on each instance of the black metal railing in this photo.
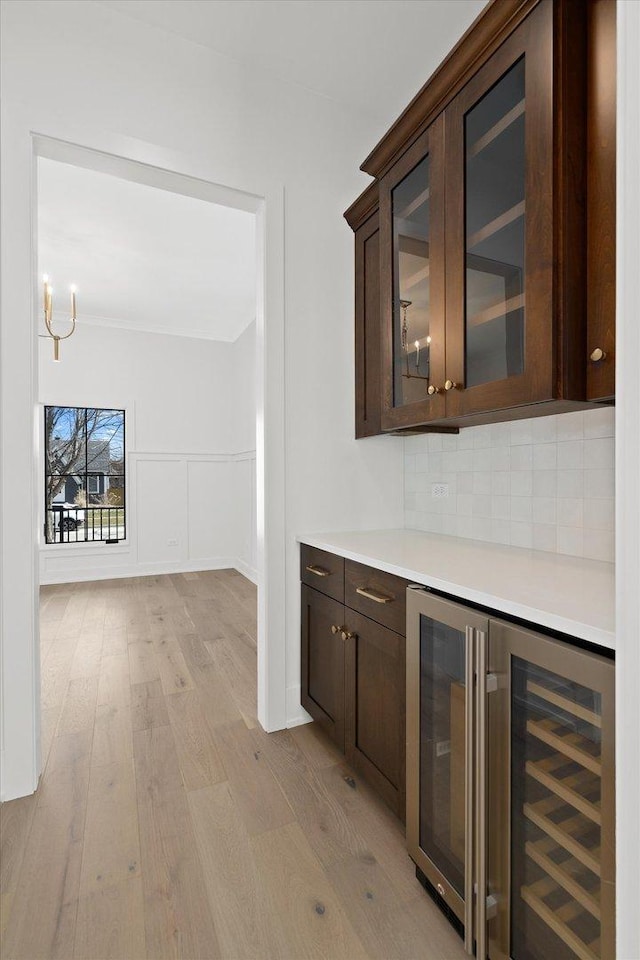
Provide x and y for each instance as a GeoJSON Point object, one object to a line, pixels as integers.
{"type": "Point", "coordinates": [77, 524]}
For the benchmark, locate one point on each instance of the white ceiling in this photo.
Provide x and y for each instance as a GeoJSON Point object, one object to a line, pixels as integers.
{"type": "Point", "coordinates": [142, 257]}
{"type": "Point", "coordinates": [371, 54]}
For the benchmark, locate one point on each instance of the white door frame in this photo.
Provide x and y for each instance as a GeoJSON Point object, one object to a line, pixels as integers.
{"type": "Point", "coordinates": [57, 139]}
{"type": "Point", "coordinates": [628, 485]}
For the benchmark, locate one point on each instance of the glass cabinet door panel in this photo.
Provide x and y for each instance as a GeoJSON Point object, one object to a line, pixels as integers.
{"type": "Point", "coordinates": [495, 231]}
{"type": "Point", "coordinates": [442, 748]}
{"type": "Point", "coordinates": [410, 211]}
{"type": "Point", "coordinates": [556, 816]}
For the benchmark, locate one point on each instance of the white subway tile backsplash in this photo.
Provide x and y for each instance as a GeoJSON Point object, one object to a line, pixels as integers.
{"type": "Point", "coordinates": [570, 426]}
{"type": "Point", "coordinates": [501, 508]}
{"type": "Point", "coordinates": [598, 453]}
{"type": "Point", "coordinates": [501, 483]}
{"type": "Point", "coordinates": [481, 528]}
{"type": "Point", "coordinates": [521, 432]}
{"type": "Point", "coordinates": [521, 508]}
{"type": "Point", "coordinates": [481, 506]}
{"type": "Point", "coordinates": [521, 534]}
{"type": "Point", "coordinates": [546, 483]}
{"type": "Point", "coordinates": [544, 430]}
{"type": "Point", "coordinates": [545, 537]}
{"type": "Point", "coordinates": [570, 455]}
{"type": "Point", "coordinates": [599, 545]}
{"type": "Point", "coordinates": [600, 514]}
{"type": "Point", "coordinates": [545, 456]}
{"type": "Point", "coordinates": [500, 458]}
{"type": "Point", "coordinates": [600, 422]}
{"type": "Point", "coordinates": [522, 457]}
{"type": "Point", "coordinates": [481, 481]}
{"type": "Point", "coordinates": [500, 531]}
{"type": "Point", "coordinates": [544, 510]}
{"type": "Point", "coordinates": [482, 459]}
{"type": "Point", "coordinates": [600, 483]}
{"type": "Point", "coordinates": [522, 483]}
{"type": "Point", "coordinates": [570, 512]}
{"type": "Point", "coordinates": [465, 482]}
{"type": "Point", "coordinates": [571, 541]}
{"type": "Point", "coordinates": [570, 483]}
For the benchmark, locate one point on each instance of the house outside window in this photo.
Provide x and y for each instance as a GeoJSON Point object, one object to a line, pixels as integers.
{"type": "Point", "coordinates": [85, 487]}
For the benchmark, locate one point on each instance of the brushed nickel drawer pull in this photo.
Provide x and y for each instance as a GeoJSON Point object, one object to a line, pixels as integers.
{"type": "Point", "coordinates": [319, 571]}
{"type": "Point", "coordinates": [373, 595]}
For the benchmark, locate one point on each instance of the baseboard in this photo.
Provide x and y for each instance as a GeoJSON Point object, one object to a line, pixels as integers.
{"type": "Point", "coordinates": [296, 714]}
{"type": "Point", "coordinates": [249, 572]}
{"type": "Point", "coordinates": [156, 569]}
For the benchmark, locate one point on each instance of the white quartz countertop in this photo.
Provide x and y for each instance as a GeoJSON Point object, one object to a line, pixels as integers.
{"type": "Point", "coordinates": [567, 594]}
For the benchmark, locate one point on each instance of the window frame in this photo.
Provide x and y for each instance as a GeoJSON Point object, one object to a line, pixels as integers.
{"type": "Point", "coordinates": [86, 475]}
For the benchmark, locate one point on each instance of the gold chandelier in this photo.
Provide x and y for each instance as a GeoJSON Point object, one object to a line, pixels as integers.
{"type": "Point", "coordinates": [48, 316]}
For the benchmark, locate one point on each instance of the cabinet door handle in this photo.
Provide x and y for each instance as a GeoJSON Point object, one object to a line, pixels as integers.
{"type": "Point", "coordinates": [374, 595]}
{"type": "Point", "coordinates": [335, 628]}
{"type": "Point", "coordinates": [432, 389]}
{"type": "Point", "coordinates": [347, 634]}
{"type": "Point", "coordinates": [319, 571]}
{"type": "Point", "coordinates": [597, 355]}
{"type": "Point", "coordinates": [452, 385]}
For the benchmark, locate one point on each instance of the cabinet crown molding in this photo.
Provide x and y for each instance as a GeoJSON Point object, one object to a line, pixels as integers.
{"type": "Point", "coordinates": [484, 36]}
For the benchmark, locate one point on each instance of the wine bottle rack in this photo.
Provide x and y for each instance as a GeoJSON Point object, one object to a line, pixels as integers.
{"type": "Point", "coordinates": [563, 807]}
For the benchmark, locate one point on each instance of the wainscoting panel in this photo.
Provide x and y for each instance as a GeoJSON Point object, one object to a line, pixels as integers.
{"type": "Point", "coordinates": [185, 512]}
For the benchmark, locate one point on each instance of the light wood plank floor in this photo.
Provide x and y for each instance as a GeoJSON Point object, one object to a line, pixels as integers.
{"type": "Point", "coordinates": [168, 824]}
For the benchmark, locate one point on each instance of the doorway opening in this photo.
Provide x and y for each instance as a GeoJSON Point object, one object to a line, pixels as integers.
{"type": "Point", "coordinates": [194, 485]}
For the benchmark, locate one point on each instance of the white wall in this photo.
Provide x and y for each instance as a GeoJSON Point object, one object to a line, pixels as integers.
{"type": "Point", "coordinates": [546, 483]}
{"type": "Point", "coordinates": [190, 437]}
{"type": "Point", "coordinates": [81, 73]}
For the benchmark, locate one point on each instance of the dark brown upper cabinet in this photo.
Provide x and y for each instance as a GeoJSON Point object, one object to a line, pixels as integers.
{"type": "Point", "coordinates": [496, 225]}
{"type": "Point", "coordinates": [515, 230]}
{"type": "Point", "coordinates": [363, 219]}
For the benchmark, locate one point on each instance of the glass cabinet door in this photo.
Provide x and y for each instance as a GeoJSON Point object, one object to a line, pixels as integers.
{"type": "Point", "coordinates": [412, 283]}
{"type": "Point", "coordinates": [495, 232]}
{"type": "Point", "coordinates": [499, 237]}
{"type": "Point", "coordinates": [560, 801]}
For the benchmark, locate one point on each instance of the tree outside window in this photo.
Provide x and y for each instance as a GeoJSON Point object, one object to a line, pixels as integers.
{"type": "Point", "coordinates": [84, 475]}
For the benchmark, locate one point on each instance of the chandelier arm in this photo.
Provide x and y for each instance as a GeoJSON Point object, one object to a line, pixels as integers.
{"type": "Point", "coordinates": [73, 327]}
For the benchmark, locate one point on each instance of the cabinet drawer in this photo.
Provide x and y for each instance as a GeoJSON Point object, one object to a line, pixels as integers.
{"type": "Point", "coordinates": [323, 571]}
{"type": "Point", "coordinates": [379, 596]}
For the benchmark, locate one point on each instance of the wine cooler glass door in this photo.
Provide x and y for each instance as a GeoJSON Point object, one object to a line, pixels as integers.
{"type": "Point", "coordinates": [440, 749]}
{"type": "Point", "coordinates": [560, 802]}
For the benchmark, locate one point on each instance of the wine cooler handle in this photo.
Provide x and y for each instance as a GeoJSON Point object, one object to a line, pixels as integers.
{"type": "Point", "coordinates": [468, 788]}
{"type": "Point", "coordinates": [481, 795]}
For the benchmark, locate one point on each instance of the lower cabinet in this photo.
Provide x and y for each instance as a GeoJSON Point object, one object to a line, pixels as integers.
{"type": "Point", "coordinates": [353, 672]}
{"type": "Point", "coordinates": [322, 662]}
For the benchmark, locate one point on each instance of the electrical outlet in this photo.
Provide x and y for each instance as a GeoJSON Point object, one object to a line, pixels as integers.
{"type": "Point", "coordinates": [172, 542]}
{"type": "Point", "coordinates": [443, 747]}
{"type": "Point", "coordinates": [439, 490]}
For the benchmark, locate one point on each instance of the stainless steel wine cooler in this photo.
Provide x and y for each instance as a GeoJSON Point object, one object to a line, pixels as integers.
{"type": "Point", "coordinates": [510, 782]}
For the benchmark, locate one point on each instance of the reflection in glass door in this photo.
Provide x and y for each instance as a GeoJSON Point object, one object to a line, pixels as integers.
{"type": "Point", "coordinates": [442, 748]}
{"type": "Point", "coordinates": [410, 206]}
{"type": "Point", "coordinates": [495, 231]}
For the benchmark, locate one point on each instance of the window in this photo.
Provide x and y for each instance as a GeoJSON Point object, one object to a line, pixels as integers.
{"type": "Point", "coordinates": [84, 475]}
